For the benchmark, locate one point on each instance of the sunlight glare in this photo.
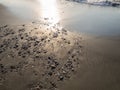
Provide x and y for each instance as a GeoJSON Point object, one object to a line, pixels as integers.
{"type": "Point", "coordinates": [49, 10]}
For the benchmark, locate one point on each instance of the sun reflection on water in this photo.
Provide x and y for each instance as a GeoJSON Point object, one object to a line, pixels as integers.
{"type": "Point", "coordinates": [49, 10]}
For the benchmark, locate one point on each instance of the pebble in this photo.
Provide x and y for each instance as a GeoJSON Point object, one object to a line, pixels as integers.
{"type": "Point", "coordinates": [50, 73]}
{"type": "Point", "coordinates": [46, 18]}
{"type": "Point", "coordinates": [1, 66]}
{"type": "Point", "coordinates": [61, 78]}
{"type": "Point", "coordinates": [53, 66]}
{"type": "Point", "coordinates": [55, 35]}
{"type": "Point", "coordinates": [64, 30]}
{"type": "Point", "coordinates": [5, 26]}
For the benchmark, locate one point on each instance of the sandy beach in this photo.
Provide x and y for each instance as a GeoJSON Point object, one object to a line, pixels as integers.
{"type": "Point", "coordinates": [36, 57]}
{"type": "Point", "coordinates": [70, 46]}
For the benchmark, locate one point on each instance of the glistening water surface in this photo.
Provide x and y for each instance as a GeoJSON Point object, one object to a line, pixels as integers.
{"type": "Point", "coordinates": [74, 16]}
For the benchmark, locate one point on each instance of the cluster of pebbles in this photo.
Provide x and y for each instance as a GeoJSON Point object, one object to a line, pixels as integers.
{"type": "Point", "coordinates": [37, 56]}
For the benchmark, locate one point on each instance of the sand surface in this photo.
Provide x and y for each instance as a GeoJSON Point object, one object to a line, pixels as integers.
{"type": "Point", "coordinates": [100, 69]}
{"type": "Point", "coordinates": [37, 56]}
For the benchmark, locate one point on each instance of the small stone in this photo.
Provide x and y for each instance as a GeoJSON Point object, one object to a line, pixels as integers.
{"type": "Point", "coordinates": [49, 58]}
{"type": "Point", "coordinates": [23, 25]}
{"type": "Point", "coordinates": [68, 42]}
{"type": "Point", "coordinates": [48, 40]}
{"type": "Point", "coordinates": [72, 69]}
{"type": "Point", "coordinates": [36, 56]}
{"type": "Point", "coordinates": [53, 66]}
{"type": "Point", "coordinates": [16, 46]}
{"type": "Point", "coordinates": [13, 33]}
{"type": "Point", "coordinates": [61, 78]}
{"type": "Point", "coordinates": [64, 30]}
{"type": "Point", "coordinates": [55, 35]}
{"type": "Point", "coordinates": [73, 56]}
{"type": "Point", "coordinates": [19, 53]}
{"type": "Point", "coordinates": [1, 66]}
{"type": "Point", "coordinates": [12, 67]}
{"type": "Point", "coordinates": [46, 18]}
{"type": "Point", "coordinates": [64, 72]}
{"type": "Point", "coordinates": [5, 26]}
{"type": "Point", "coordinates": [25, 47]}
{"type": "Point", "coordinates": [21, 37]}
{"type": "Point", "coordinates": [69, 52]}
{"type": "Point", "coordinates": [50, 73]}
{"type": "Point", "coordinates": [35, 28]}
{"type": "Point", "coordinates": [1, 46]}
{"type": "Point", "coordinates": [21, 30]}
{"type": "Point", "coordinates": [23, 56]}
{"type": "Point", "coordinates": [1, 50]}
{"type": "Point", "coordinates": [53, 84]}
{"type": "Point", "coordinates": [37, 88]}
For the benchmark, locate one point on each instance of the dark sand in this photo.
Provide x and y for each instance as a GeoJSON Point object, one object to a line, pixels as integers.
{"type": "Point", "coordinates": [100, 69]}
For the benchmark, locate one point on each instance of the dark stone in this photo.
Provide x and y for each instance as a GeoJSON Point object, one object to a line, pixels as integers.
{"type": "Point", "coordinates": [36, 56]}
{"type": "Point", "coordinates": [25, 47]}
{"type": "Point", "coordinates": [1, 66]}
{"type": "Point", "coordinates": [33, 22]}
{"type": "Point", "coordinates": [23, 56]}
{"type": "Point", "coordinates": [53, 66]}
{"type": "Point", "coordinates": [12, 67]}
{"type": "Point", "coordinates": [61, 78]}
{"type": "Point", "coordinates": [49, 58]}
{"type": "Point", "coordinates": [68, 42]}
{"type": "Point", "coordinates": [13, 33]}
{"type": "Point", "coordinates": [64, 30]}
{"type": "Point", "coordinates": [21, 30]}
{"type": "Point", "coordinates": [16, 46]}
{"type": "Point", "coordinates": [53, 84]}
{"type": "Point", "coordinates": [50, 73]}
{"type": "Point", "coordinates": [5, 26]}
{"type": "Point", "coordinates": [46, 18]}
{"type": "Point", "coordinates": [21, 37]}
{"type": "Point", "coordinates": [56, 63]}
{"type": "Point", "coordinates": [55, 35]}
{"type": "Point", "coordinates": [73, 56]}
{"type": "Point", "coordinates": [1, 50]}
{"type": "Point", "coordinates": [23, 25]}
{"type": "Point", "coordinates": [19, 53]}
{"type": "Point", "coordinates": [1, 46]}
{"type": "Point", "coordinates": [35, 28]}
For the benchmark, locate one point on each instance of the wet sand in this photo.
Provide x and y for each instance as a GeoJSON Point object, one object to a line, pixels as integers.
{"type": "Point", "coordinates": [100, 69]}
{"type": "Point", "coordinates": [7, 17]}
{"type": "Point", "coordinates": [35, 56]}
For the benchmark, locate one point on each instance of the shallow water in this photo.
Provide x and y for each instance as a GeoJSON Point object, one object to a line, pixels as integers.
{"type": "Point", "coordinates": [94, 19]}
{"type": "Point", "coordinates": [75, 17]}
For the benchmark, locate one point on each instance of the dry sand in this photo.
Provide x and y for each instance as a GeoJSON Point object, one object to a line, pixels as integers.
{"type": "Point", "coordinates": [37, 56]}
